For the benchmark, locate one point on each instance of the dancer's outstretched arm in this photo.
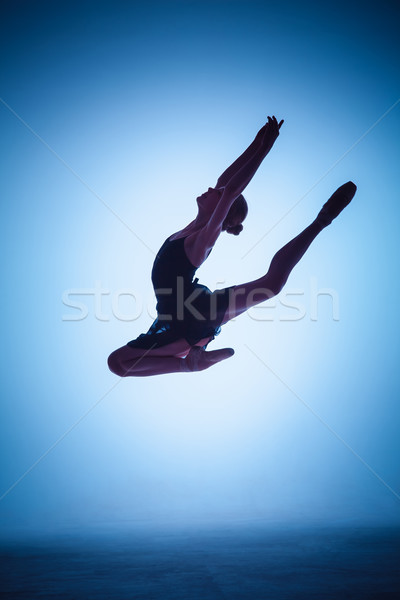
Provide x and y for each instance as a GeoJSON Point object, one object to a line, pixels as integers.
{"type": "Point", "coordinates": [256, 148]}
{"type": "Point", "coordinates": [243, 159]}
{"type": "Point", "coordinates": [241, 179]}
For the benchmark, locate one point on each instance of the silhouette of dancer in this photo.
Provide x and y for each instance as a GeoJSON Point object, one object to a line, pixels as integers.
{"type": "Point", "coordinates": [189, 314]}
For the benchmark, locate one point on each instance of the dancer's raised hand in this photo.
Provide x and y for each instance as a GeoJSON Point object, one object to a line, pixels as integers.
{"type": "Point", "coordinates": [271, 132]}
{"type": "Point", "coordinates": [268, 133]}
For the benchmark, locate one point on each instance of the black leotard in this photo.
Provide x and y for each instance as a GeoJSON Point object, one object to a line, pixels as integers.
{"type": "Point", "coordinates": [186, 309]}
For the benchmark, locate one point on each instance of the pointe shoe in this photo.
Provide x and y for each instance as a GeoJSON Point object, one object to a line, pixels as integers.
{"type": "Point", "coordinates": [198, 359]}
{"type": "Point", "coordinates": [337, 202]}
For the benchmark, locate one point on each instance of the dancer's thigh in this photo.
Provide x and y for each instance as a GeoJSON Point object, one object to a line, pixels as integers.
{"type": "Point", "coordinates": [246, 295]}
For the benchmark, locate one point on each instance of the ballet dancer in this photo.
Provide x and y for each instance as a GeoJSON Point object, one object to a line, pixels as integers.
{"type": "Point", "coordinates": [189, 315]}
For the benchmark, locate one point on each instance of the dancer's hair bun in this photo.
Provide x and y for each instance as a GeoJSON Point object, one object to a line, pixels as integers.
{"type": "Point", "coordinates": [235, 230]}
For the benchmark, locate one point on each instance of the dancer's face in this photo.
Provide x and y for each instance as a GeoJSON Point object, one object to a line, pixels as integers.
{"type": "Point", "coordinates": [209, 199]}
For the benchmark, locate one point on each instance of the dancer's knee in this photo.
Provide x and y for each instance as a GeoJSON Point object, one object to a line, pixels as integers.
{"type": "Point", "coordinates": [114, 364]}
{"type": "Point", "coordinates": [274, 282]}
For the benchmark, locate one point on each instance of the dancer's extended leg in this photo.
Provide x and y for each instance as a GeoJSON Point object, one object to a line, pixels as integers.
{"type": "Point", "coordinates": [249, 294]}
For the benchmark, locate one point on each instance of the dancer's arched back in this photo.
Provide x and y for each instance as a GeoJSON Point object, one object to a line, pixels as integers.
{"type": "Point", "coordinates": [189, 314]}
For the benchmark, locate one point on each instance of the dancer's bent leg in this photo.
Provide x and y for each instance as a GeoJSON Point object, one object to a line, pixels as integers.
{"type": "Point", "coordinates": [178, 357]}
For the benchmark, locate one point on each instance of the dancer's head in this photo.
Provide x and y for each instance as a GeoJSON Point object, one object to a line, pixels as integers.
{"type": "Point", "coordinates": [236, 215]}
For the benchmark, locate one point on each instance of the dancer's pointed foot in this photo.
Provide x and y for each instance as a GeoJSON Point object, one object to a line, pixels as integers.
{"type": "Point", "coordinates": [336, 203]}
{"type": "Point", "coordinates": [198, 359]}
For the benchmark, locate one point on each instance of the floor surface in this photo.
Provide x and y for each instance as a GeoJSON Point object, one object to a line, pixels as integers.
{"type": "Point", "coordinates": [252, 563]}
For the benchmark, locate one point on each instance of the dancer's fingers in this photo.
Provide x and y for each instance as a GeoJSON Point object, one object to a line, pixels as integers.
{"type": "Point", "coordinates": [281, 123]}
{"type": "Point", "coordinates": [275, 124]}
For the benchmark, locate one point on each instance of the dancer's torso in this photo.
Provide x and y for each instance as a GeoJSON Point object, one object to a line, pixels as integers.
{"type": "Point", "coordinates": [184, 307]}
{"type": "Point", "coordinates": [170, 264]}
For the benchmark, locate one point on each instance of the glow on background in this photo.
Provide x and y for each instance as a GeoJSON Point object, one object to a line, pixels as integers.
{"type": "Point", "coordinates": [148, 103]}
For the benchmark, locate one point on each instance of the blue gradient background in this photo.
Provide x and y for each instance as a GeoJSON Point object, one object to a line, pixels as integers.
{"type": "Point", "coordinates": [148, 103]}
